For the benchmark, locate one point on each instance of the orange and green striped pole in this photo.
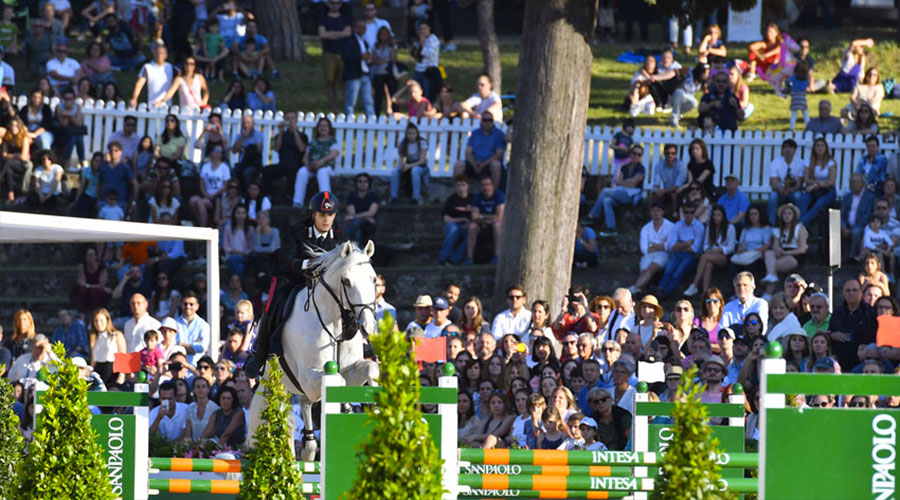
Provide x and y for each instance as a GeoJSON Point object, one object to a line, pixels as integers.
{"type": "Point", "coordinates": [548, 470]}
{"type": "Point", "coordinates": [522, 494]}
{"type": "Point", "coordinates": [564, 483]}
{"type": "Point", "coordinates": [580, 457]}
{"type": "Point", "coordinates": [214, 486]}
{"type": "Point", "coordinates": [215, 465]}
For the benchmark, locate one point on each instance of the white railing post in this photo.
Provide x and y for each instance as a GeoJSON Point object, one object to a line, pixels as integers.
{"type": "Point", "coordinates": [449, 453]}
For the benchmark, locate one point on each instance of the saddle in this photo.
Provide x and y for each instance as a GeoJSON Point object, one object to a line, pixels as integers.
{"type": "Point", "coordinates": [278, 316]}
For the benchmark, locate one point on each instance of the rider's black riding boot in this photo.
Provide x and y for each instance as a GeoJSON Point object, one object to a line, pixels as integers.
{"type": "Point", "coordinates": [260, 349]}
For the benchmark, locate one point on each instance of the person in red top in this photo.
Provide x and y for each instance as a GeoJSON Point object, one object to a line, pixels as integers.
{"type": "Point", "coordinates": [575, 315]}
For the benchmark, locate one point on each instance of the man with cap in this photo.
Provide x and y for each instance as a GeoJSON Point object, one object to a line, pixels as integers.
{"type": "Point", "coordinates": [713, 375]}
{"type": "Point", "coordinates": [734, 201]}
{"type": "Point", "coordinates": [819, 315]}
{"type": "Point", "coordinates": [94, 380]}
{"type": "Point", "coordinates": [441, 312]}
{"type": "Point", "coordinates": [740, 351]}
{"type": "Point", "coordinates": [423, 307]}
{"type": "Point", "coordinates": [29, 364]}
{"type": "Point", "coordinates": [794, 286]}
{"type": "Point", "coordinates": [673, 378]}
{"type": "Point", "coordinates": [316, 234]}
{"type": "Point", "coordinates": [725, 339]}
{"type": "Point", "coordinates": [168, 330]}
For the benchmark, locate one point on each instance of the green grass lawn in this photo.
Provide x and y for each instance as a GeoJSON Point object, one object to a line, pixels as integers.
{"type": "Point", "coordinates": [301, 86]}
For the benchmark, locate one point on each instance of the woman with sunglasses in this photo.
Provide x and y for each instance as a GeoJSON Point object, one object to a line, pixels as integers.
{"type": "Point", "coordinates": [171, 144]}
{"type": "Point", "coordinates": [683, 321]}
{"type": "Point", "coordinates": [713, 303]}
{"type": "Point", "coordinates": [752, 327]}
{"type": "Point", "coordinates": [695, 194]}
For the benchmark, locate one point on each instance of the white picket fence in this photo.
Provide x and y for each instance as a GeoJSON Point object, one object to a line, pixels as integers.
{"type": "Point", "coordinates": [371, 145]}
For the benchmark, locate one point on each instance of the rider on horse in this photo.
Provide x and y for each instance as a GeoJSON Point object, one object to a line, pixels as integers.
{"type": "Point", "coordinates": [318, 232]}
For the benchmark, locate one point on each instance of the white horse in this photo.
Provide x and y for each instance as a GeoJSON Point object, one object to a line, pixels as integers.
{"type": "Point", "coordinates": [320, 325]}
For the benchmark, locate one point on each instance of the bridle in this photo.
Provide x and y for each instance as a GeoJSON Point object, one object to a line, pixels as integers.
{"type": "Point", "coordinates": [351, 317]}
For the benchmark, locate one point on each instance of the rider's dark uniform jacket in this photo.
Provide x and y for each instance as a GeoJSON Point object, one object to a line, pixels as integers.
{"type": "Point", "coordinates": [304, 234]}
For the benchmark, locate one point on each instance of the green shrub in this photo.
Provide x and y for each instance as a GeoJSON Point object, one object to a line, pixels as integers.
{"type": "Point", "coordinates": [64, 460]}
{"type": "Point", "coordinates": [689, 468]}
{"type": "Point", "coordinates": [12, 445]}
{"type": "Point", "coordinates": [400, 460]}
{"type": "Point", "coordinates": [270, 473]}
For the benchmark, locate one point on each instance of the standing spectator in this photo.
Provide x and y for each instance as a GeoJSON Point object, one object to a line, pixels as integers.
{"type": "Point", "coordinates": [17, 165]}
{"type": "Point", "coordinates": [374, 24]}
{"type": "Point", "coordinates": [851, 325]}
{"type": "Point", "coordinates": [384, 59]}
{"type": "Point", "coordinates": [653, 247]}
{"type": "Point", "coordinates": [412, 158]}
{"type": "Point", "coordinates": [721, 104]}
{"type": "Point", "coordinates": [193, 331]}
{"type": "Point", "coordinates": [214, 177]}
{"type": "Point", "coordinates": [626, 191]}
{"type": "Point", "coordinates": [231, 22]}
{"type": "Point", "coordinates": [684, 244]}
{"type": "Point", "coordinates": [362, 207]}
{"type": "Point", "coordinates": [457, 215]}
{"type": "Point", "coordinates": [238, 240]}
{"type": "Point", "coordinates": [116, 175]}
{"type": "Point", "coordinates": [321, 155]}
{"type": "Point", "coordinates": [669, 174]}
{"type": "Point", "coordinates": [485, 99]}
{"type": "Point", "coordinates": [824, 123]}
{"type": "Point", "coordinates": [193, 94]}
{"type": "Point", "coordinates": [291, 144]}
{"type": "Point", "coordinates": [487, 213]}
{"type": "Point", "coordinates": [38, 118]}
{"type": "Point", "coordinates": [248, 145]}
{"type": "Point", "coordinates": [484, 152]}
{"type": "Point", "coordinates": [334, 29]}
{"type": "Point", "coordinates": [735, 202]}
{"type": "Point", "coordinates": [38, 48]}
{"type": "Point", "coordinates": [744, 302]}
{"type": "Point", "coordinates": [798, 85]}
{"type": "Point", "coordinates": [140, 322]}
{"type": "Point", "coordinates": [856, 210]}
{"type": "Point", "coordinates": [820, 176]}
{"type": "Point", "coordinates": [426, 52]}
{"type": "Point", "coordinates": [72, 334]}
{"type": "Point", "coordinates": [125, 50]}
{"type": "Point", "coordinates": [853, 64]}
{"type": "Point", "coordinates": [70, 126]}
{"type": "Point", "coordinates": [106, 341]}
{"type": "Point", "coordinates": [786, 175]}
{"type": "Point", "coordinates": [718, 246]}
{"type": "Point", "coordinates": [357, 78]}
{"type": "Point", "coordinates": [129, 140]}
{"type": "Point", "coordinates": [514, 320]}
{"type": "Point", "coordinates": [873, 166]}
{"type": "Point", "coordinates": [157, 75]}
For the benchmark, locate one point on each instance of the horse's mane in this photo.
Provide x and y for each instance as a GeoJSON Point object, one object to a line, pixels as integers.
{"type": "Point", "coordinates": [331, 260]}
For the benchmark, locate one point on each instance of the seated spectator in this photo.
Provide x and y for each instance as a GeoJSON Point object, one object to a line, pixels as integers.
{"type": "Point", "coordinates": [168, 256]}
{"type": "Point", "coordinates": [653, 247]}
{"type": "Point", "coordinates": [824, 123]}
{"type": "Point", "coordinates": [125, 51]}
{"type": "Point", "coordinates": [232, 294]}
{"type": "Point", "coordinates": [575, 315]}
{"type": "Point", "coordinates": [62, 70]}
{"type": "Point", "coordinates": [165, 299]}
{"type": "Point", "coordinates": [786, 175]}
{"type": "Point", "coordinates": [162, 172]}
{"type": "Point", "coordinates": [721, 105]}
{"type": "Point", "coordinates": [457, 215]}
{"type": "Point", "coordinates": [91, 290]}
{"type": "Point", "coordinates": [782, 322]}
{"type": "Point", "coordinates": [755, 240]}
{"type": "Point", "coordinates": [256, 201]}
{"type": "Point", "coordinates": [485, 99]}
{"type": "Point", "coordinates": [61, 12]}
{"type": "Point", "coordinates": [869, 91]}
{"type": "Point", "coordinates": [85, 91]}
{"type": "Point", "coordinates": [362, 208]}
{"type": "Point", "coordinates": [214, 177]}
{"type": "Point", "coordinates": [712, 50]}
{"type": "Point", "coordinates": [626, 191]}
{"type": "Point", "coordinates": [238, 241]}
{"type": "Point", "coordinates": [585, 246]}
{"type": "Point", "coordinates": [741, 91]}
{"type": "Point", "coordinates": [445, 106]}
{"type": "Point", "coordinates": [877, 241]}
{"type": "Point", "coordinates": [47, 184]}
{"type": "Point", "coordinates": [8, 77]}
{"type": "Point", "coordinates": [249, 146]}
{"type": "Point", "coordinates": [856, 209]}
{"type": "Point", "coordinates": [865, 122]}
{"type": "Point", "coordinates": [163, 203]}
{"type": "Point", "coordinates": [70, 127]}
{"type": "Point", "coordinates": [684, 99]}
{"type": "Point", "coordinates": [764, 53]}
{"type": "Point", "coordinates": [873, 166]}
{"type": "Point", "coordinates": [484, 152]}
{"type": "Point", "coordinates": [235, 97]}
{"type": "Point", "coordinates": [320, 158]}
{"type": "Point", "coordinates": [291, 144]}
{"type": "Point", "coordinates": [412, 163]}
{"type": "Point", "coordinates": [214, 134]}
{"type": "Point", "coordinates": [231, 349]}
{"type": "Point", "coordinates": [17, 166]}
{"type": "Point", "coordinates": [788, 251]}
{"type": "Point", "coordinates": [228, 423]}
{"type": "Point", "coordinates": [226, 203]}
{"type": "Point", "coordinates": [684, 244]}
{"type": "Point", "coordinates": [700, 168]}
{"type": "Point", "coordinates": [696, 196]}
{"type": "Point", "coordinates": [129, 140]}
{"type": "Point", "coordinates": [110, 93]}
{"type": "Point", "coordinates": [820, 179]}
{"type": "Point", "coordinates": [734, 201]}
{"type": "Point", "coordinates": [261, 97]}
{"type": "Point", "coordinates": [38, 47]}
{"type": "Point", "coordinates": [38, 118]}
{"type": "Point", "coordinates": [168, 419]}
{"type": "Point", "coordinates": [853, 64]}
{"type": "Point", "coordinates": [266, 241]}
{"type": "Point", "coordinates": [669, 174]}
{"type": "Point", "coordinates": [172, 144]}
{"type": "Point", "coordinates": [9, 31]}
{"type": "Point", "coordinates": [253, 53]}
{"type": "Point", "coordinates": [418, 106]}
{"type": "Point", "coordinates": [73, 335]}
{"type": "Point", "coordinates": [97, 67]}
{"type": "Point", "coordinates": [28, 364]}
{"type": "Point", "coordinates": [719, 243]}
{"type": "Point", "coordinates": [852, 325]}
{"type": "Point", "coordinates": [211, 52]}
{"type": "Point", "coordinates": [744, 303]}
{"type": "Point", "coordinates": [487, 213]}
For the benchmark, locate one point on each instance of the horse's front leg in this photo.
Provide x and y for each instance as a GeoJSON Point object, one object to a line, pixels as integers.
{"type": "Point", "coordinates": [361, 372]}
{"type": "Point", "coordinates": [309, 447]}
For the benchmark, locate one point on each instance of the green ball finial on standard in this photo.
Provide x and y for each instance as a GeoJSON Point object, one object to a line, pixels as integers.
{"type": "Point", "coordinates": [331, 368]}
{"type": "Point", "coordinates": [737, 389]}
{"type": "Point", "coordinates": [448, 369]}
{"type": "Point", "coordinates": [774, 350]}
{"type": "Point", "coordinates": [141, 377]}
{"type": "Point", "coordinates": [642, 387]}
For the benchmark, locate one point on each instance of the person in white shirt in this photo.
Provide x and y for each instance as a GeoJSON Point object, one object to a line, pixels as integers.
{"type": "Point", "coordinates": [623, 316]}
{"type": "Point", "coordinates": [441, 318]}
{"type": "Point", "coordinates": [423, 309]}
{"type": "Point", "coordinates": [62, 69]}
{"type": "Point", "coordinates": [483, 100]}
{"type": "Point", "coordinates": [7, 73]}
{"type": "Point", "coordinates": [786, 176]}
{"type": "Point", "coordinates": [29, 364]}
{"type": "Point", "coordinates": [373, 24]}
{"type": "Point", "coordinates": [157, 75]}
{"type": "Point", "coordinates": [127, 137]}
{"type": "Point", "coordinates": [653, 247]}
{"type": "Point", "coordinates": [516, 319]}
{"type": "Point", "coordinates": [169, 417]}
{"type": "Point", "coordinates": [140, 322]}
{"type": "Point", "coordinates": [745, 303]}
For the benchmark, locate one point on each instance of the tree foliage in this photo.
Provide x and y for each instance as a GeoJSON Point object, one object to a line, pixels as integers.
{"type": "Point", "coordinates": [688, 11]}
{"type": "Point", "coordinates": [11, 443]}
{"type": "Point", "coordinates": [689, 468]}
{"type": "Point", "coordinates": [400, 460]}
{"type": "Point", "coordinates": [64, 460]}
{"type": "Point", "coordinates": [270, 472]}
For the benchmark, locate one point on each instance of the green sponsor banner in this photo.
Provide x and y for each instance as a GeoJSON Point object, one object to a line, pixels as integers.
{"type": "Point", "coordinates": [731, 440]}
{"type": "Point", "coordinates": [828, 453]}
{"type": "Point", "coordinates": [116, 434]}
{"type": "Point", "coordinates": [346, 434]}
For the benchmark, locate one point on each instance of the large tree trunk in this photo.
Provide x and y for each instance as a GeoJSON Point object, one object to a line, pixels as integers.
{"type": "Point", "coordinates": [279, 22]}
{"type": "Point", "coordinates": [538, 237]}
{"type": "Point", "coordinates": [487, 38]}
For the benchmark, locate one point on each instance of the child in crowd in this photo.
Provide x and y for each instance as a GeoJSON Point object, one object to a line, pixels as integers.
{"type": "Point", "coordinates": [151, 354]}
{"type": "Point", "coordinates": [112, 210]}
{"type": "Point", "coordinates": [872, 272]}
{"type": "Point", "coordinates": [212, 51]}
{"type": "Point", "coordinates": [552, 437]}
{"type": "Point", "coordinates": [576, 442]}
{"type": "Point", "coordinates": [621, 145]}
{"type": "Point", "coordinates": [876, 241]}
{"type": "Point", "coordinates": [589, 431]}
{"type": "Point", "coordinates": [797, 86]}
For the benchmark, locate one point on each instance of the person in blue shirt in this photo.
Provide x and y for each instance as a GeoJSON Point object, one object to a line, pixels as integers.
{"type": "Point", "coordinates": [487, 212]}
{"type": "Point", "coordinates": [585, 246]}
{"type": "Point", "coordinates": [873, 166]}
{"type": "Point", "coordinates": [116, 175]}
{"type": "Point", "coordinates": [684, 243]}
{"type": "Point", "coordinates": [72, 334]}
{"type": "Point", "coordinates": [721, 104]}
{"type": "Point", "coordinates": [261, 58]}
{"type": "Point", "coordinates": [484, 152]}
{"type": "Point", "coordinates": [193, 331]}
{"type": "Point", "coordinates": [734, 201]}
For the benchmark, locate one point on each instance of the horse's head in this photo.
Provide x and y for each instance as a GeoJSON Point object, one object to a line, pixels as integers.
{"type": "Point", "coordinates": [348, 275]}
